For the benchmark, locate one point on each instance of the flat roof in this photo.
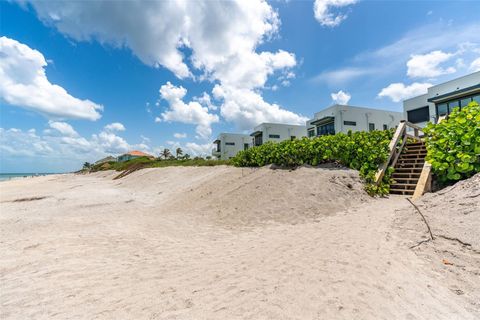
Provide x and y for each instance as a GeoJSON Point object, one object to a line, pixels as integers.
{"type": "Point", "coordinates": [354, 107]}
{"type": "Point", "coordinates": [453, 94]}
{"type": "Point", "coordinates": [327, 119]}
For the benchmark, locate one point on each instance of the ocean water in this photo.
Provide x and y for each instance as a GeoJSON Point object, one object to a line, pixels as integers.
{"type": "Point", "coordinates": [8, 176]}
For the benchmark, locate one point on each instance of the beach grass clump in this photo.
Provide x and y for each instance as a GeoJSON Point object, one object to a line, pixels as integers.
{"type": "Point", "coordinates": [144, 162]}
{"type": "Point", "coordinates": [362, 151]}
{"type": "Point", "coordinates": [453, 145]}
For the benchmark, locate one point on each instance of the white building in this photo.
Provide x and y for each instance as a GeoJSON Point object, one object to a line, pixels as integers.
{"type": "Point", "coordinates": [442, 98]}
{"type": "Point", "coordinates": [276, 132]}
{"type": "Point", "coordinates": [228, 145]}
{"type": "Point", "coordinates": [342, 118]}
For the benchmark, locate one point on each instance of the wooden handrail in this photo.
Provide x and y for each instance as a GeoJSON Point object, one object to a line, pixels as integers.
{"type": "Point", "coordinates": [395, 149]}
{"type": "Point", "coordinates": [399, 133]}
{"type": "Point", "coordinates": [411, 125]}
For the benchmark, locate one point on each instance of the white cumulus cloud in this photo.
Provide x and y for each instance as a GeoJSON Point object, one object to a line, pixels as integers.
{"type": "Point", "coordinates": [180, 135]}
{"type": "Point", "coordinates": [323, 11]}
{"type": "Point", "coordinates": [221, 38]}
{"type": "Point", "coordinates": [115, 126]}
{"type": "Point", "coordinates": [341, 97]}
{"type": "Point", "coordinates": [247, 108]}
{"type": "Point", "coordinates": [192, 112]}
{"type": "Point", "coordinates": [475, 65]}
{"type": "Point", "coordinates": [399, 91]}
{"type": "Point", "coordinates": [24, 83]}
{"type": "Point", "coordinates": [429, 65]}
{"type": "Point", "coordinates": [63, 128]}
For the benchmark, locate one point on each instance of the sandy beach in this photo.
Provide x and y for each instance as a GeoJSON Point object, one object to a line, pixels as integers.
{"type": "Point", "coordinates": [232, 243]}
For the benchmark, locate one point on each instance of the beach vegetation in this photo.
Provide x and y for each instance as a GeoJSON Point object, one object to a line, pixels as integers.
{"type": "Point", "coordinates": [453, 145]}
{"type": "Point", "coordinates": [144, 162]}
{"type": "Point", "coordinates": [362, 151]}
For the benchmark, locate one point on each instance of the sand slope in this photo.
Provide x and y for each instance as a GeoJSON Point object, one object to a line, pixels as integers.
{"type": "Point", "coordinates": [224, 243]}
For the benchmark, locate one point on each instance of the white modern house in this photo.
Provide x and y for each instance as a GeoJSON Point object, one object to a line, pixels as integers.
{"type": "Point", "coordinates": [227, 145]}
{"type": "Point", "coordinates": [276, 132]}
{"type": "Point", "coordinates": [342, 118]}
{"type": "Point", "coordinates": [442, 98]}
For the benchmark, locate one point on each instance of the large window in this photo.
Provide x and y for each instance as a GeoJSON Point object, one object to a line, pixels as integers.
{"type": "Point", "coordinates": [311, 132]}
{"type": "Point", "coordinates": [418, 115]}
{"type": "Point", "coordinates": [325, 129]}
{"type": "Point", "coordinates": [245, 146]}
{"type": "Point", "coordinates": [446, 107]}
{"type": "Point", "coordinates": [258, 140]}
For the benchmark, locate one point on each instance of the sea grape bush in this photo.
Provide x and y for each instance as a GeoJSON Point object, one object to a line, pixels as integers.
{"type": "Point", "coordinates": [453, 145]}
{"type": "Point", "coordinates": [363, 151]}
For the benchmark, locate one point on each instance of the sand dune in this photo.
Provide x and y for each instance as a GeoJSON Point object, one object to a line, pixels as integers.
{"type": "Point", "coordinates": [231, 243]}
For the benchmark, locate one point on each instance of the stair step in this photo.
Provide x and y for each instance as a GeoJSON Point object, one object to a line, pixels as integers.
{"type": "Point", "coordinates": [418, 166]}
{"type": "Point", "coordinates": [408, 170]}
{"type": "Point", "coordinates": [413, 155]}
{"type": "Point", "coordinates": [410, 161]}
{"type": "Point", "coordinates": [402, 175]}
{"type": "Point", "coordinates": [404, 185]}
{"type": "Point", "coordinates": [415, 143]}
{"type": "Point", "coordinates": [406, 180]}
{"type": "Point", "coordinates": [402, 192]}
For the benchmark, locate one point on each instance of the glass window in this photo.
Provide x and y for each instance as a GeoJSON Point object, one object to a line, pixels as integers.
{"type": "Point", "coordinates": [349, 123]}
{"type": "Point", "coordinates": [311, 133]}
{"type": "Point", "coordinates": [442, 109]}
{"type": "Point", "coordinates": [385, 127]}
{"type": "Point", "coordinates": [453, 104]}
{"type": "Point", "coordinates": [258, 140]}
{"type": "Point", "coordinates": [293, 138]}
{"type": "Point", "coordinates": [274, 136]}
{"type": "Point", "coordinates": [371, 126]}
{"type": "Point", "coordinates": [245, 146]}
{"type": "Point", "coordinates": [229, 143]}
{"type": "Point", "coordinates": [476, 98]}
{"type": "Point", "coordinates": [326, 129]}
{"type": "Point", "coordinates": [418, 115]}
{"type": "Point", "coordinates": [465, 102]}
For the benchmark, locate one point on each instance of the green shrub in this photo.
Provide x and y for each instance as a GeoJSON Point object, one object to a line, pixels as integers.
{"type": "Point", "coordinates": [453, 145]}
{"type": "Point", "coordinates": [363, 151]}
{"type": "Point", "coordinates": [144, 162]}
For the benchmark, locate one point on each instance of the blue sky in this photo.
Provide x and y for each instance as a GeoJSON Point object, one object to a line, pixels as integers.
{"type": "Point", "coordinates": [222, 67]}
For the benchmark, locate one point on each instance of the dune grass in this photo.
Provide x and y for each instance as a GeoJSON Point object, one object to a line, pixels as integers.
{"type": "Point", "coordinates": [144, 162]}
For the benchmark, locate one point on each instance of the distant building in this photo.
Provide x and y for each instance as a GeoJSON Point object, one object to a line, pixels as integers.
{"type": "Point", "coordinates": [134, 154]}
{"type": "Point", "coordinates": [442, 98]}
{"type": "Point", "coordinates": [342, 118]}
{"type": "Point", "coordinates": [106, 159]}
{"type": "Point", "coordinates": [276, 132]}
{"type": "Point", "coordinates": [227, 145]}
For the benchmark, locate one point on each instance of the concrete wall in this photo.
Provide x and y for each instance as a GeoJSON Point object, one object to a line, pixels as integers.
{"type": "Point", "coordinates": [452, 87]}
{"type": "Point", "coordinates": [285, 131]}
{"type": "Point", "coordinates": [361, 116]}
{"type": "Point", "coordinates": [229, 151]}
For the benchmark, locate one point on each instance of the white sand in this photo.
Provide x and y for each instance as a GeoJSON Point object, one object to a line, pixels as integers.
{"type": "Point", "coordinates": [230, 243]}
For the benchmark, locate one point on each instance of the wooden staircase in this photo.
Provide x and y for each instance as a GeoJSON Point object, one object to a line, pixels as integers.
{"type": "Point", "coordinates": [412, 175]}
{"type": "Point", "coordinates": [408, 168]}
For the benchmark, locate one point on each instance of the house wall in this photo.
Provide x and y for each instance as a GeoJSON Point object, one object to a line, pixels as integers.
{"type": "Point", "coordinates": [285, 131]}
{"type": "Point", "coordinates": [228, 151]}
{"type": "Point", "coordinates": [452, 88]}
{"type": "Point", "coordinates": [126, 157]}
{"type": "Point", "coordinates": [361, 116]}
